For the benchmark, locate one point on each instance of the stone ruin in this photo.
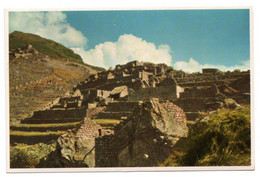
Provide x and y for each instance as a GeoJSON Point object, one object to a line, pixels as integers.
{"type": "Point", "coordinates": [131, 115]}
{"type": "Point", "coordinates": [24, 52]}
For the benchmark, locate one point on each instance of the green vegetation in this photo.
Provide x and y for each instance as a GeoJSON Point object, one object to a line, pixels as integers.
{"type": "Point", "coordinates": [107, 121]}
{"type": "Point", "coordinates": [25, 133]}
{"type": "Point", "coordinates": [42, 127]}
{"type": "Point", "coordinates": [222, 140]}
{"type": "Point", "coordinates": [48, 125]}
{"type": "Point", "coordinates": [28, 156]}
{"type": "Point", "coordinates": [48, 47]}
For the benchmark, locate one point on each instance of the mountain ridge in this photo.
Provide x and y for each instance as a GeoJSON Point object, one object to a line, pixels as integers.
{"type": "Point", "coordinates": [45, 46]}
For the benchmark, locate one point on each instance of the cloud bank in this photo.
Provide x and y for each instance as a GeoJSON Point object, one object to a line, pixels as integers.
{"type": "Point", "coordinates": [127, 48]}
{"type": "Point", "coordinates": [51, 25]}
{"type": "Point", "coordinates": [54, 26]}
{"type": "Point", "coordinates": [194, 66]}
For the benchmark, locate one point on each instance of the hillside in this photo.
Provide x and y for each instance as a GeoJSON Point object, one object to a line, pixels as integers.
{"type": "Point", "coordinates": [45, 46]}
{"type": "Point", "coordinates": [36, 79]}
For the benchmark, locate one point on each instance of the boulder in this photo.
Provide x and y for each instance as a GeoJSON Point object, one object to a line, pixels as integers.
{"type": "Point", "coordinates": [231, 104]}
{"type": "Point", "coordinates": [78, 149]}
{"type": "Point", "coordinates": [66, 147]}
{"type": "Point", "coordinates": [35, 52]}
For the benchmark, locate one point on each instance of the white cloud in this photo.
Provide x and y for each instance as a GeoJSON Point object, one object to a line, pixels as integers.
{"type": "Point", "coordinates": [194, 66]}
{"type": "Point", "coordinates": [54, 26]}
{"type": "Point", "coordinates": [127, 48]}
{"type": "Point", "coordinates": [51, 25]}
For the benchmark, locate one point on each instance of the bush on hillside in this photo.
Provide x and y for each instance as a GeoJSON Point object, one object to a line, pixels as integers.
{"type": "Point", "coordinates": [222, 140]}
{"type": "Point", "coordinates": [28, 156]}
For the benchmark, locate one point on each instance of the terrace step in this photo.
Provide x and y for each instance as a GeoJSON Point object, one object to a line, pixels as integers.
{"type": "Point", "coordinates": [60, 113]}
{"type": "Point", "coordinates": [44, 127]}
{"type": "Point", "coordinates": [114, 115]}
{"type": "Point", "coordinates": [33, 137]}
{"type": "Point", "coordinates": [72, 105]}
{"type": "Point", "coordinates": [108, 123]}
{"type": "Point", "coordinates": [122, 106]}
{"type": "Point", "coordinates": [57, 106]}
{"type": "Point", "coordinates": [50, 120]}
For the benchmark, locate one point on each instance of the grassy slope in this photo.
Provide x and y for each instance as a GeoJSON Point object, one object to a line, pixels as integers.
{"type": "Point", "coordinates": [224, 140]}
{"type": "Point", "coordinates": [51, 48]}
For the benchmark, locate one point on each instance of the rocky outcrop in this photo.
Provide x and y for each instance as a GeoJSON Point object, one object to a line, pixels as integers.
{"type": "Point", "coordinates": [150, 136]}
{"type": "Point", "coordinates": [66, 145]}
{"type": "Point", "coordinates": [231, 104]}
{"type": "Point", "coordinates": [78, 148]}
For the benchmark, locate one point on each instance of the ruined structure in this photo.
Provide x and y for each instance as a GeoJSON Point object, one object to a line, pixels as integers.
{"type": "Point", "coordinates": [135, 80]}
{"type": "Point", "coordinates": [210, 71]}
{"type": "Point", "coordinates": [131, 115]}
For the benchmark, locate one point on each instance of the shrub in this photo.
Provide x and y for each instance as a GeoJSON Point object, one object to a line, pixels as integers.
{"type": "Point", "coordinates": [222, 140]}
{"type": "Point", "coordinates": [28, 156]}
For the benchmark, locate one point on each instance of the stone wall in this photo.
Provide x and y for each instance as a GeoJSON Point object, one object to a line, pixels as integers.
{"type": "Point", "coordinates": [85, 142]}
{"type": "Point", "coordinates": [106, 150]}
{"type": "Point", "coordinates": [162, 92]}
{"type": "Point", "coordinates": [200, 92]}
{"type": "Point", "coordinates": [177, 112]}
{"type": "Point", "coordinates": [244, 98]}
{"type": "Point", "coordinates": [198, 104]}
{"type": "Point", "coordinates": [199, 77]}
{"type": "Point", "coordinates": [88, 130]}
{"type": "Point", "coordinates": [202, 83]}
{"type": "Point", "coordinates": [70, 113]}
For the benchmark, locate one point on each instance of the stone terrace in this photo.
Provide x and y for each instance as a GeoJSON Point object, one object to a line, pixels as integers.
{"type": "Point", "coordinates": [50, 122]}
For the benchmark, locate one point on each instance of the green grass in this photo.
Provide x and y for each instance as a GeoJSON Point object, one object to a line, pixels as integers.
{"type": "Point", "coordinates": [189, 122]}
{"type": "Point", "coordinates": [25, 133]}
{"type": "Point", "coordinates": [48, 125]}
{"type": "Point", "coordinates": [107, 121]}
{"type": "Point", "coordinates": [223, 140]}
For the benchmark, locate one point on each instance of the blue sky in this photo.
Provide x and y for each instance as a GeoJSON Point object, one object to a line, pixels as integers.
{"type": "Point", "coordinates": [185, 39]}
